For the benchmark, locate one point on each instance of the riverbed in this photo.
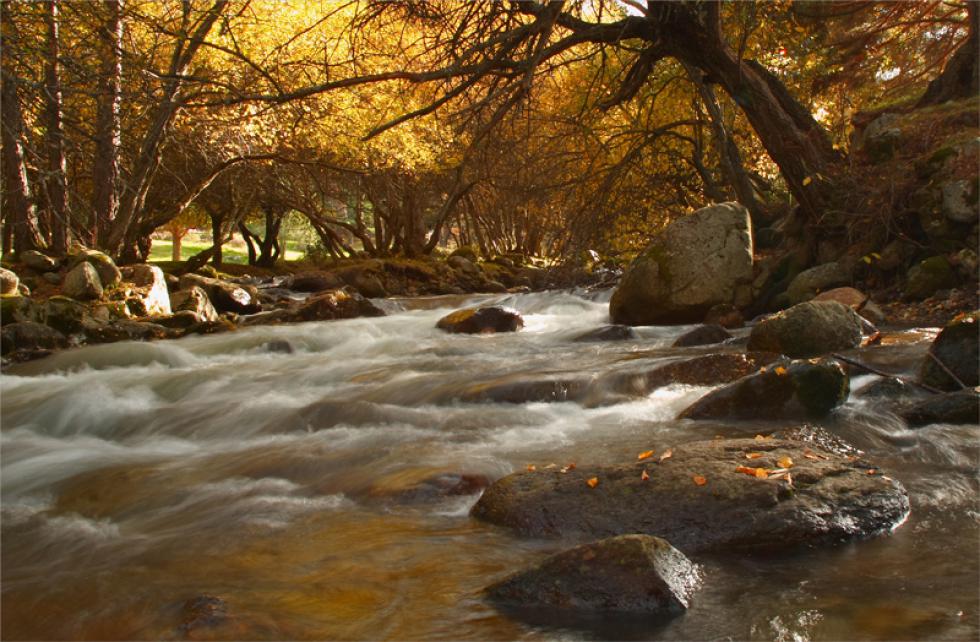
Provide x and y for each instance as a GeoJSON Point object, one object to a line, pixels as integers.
{"type": "Point", "coordinates": [137, 476]}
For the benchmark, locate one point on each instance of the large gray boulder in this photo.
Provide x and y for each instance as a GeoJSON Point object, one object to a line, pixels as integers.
{"type": "Point", "coordinates": [808, 283]}
{"type": "Point", "coordinates": [706, 496]}
{"type": "Point", "coordinates": [699, 261]}
{"type": "Point", "coordinates": [109, 274]}
{"type": "Point", "coordinates": [808, 329]}
{"type": "Point", "coordinates": [151, 287]}
{"type": "Point", "coordinates": [627, 574]}
{"type": "Point", "coordinates": [82, 283]}
{"type": "Point", "coordinates": [791, 390]}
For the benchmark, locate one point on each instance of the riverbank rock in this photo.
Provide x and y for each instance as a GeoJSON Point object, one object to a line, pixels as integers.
{"type": "Point", "coordinates": [318, 281]}
{"type": "Point", "coordinates": [808, 329]}
{"type": "Point", "coordinates": [30, 336]}
{"type": "Point", "coordinates": [194, 299]}
{"type": "Point", "coordinates": [789, 390]}
{"type": "Point", "coordinates": [127, 330]}
{"type": "Point", "coordinates": [808, 283]}
{"type": "Point", "coordinates": [726, 315]}
{"type": "Point", "coordinates": [700, 498]}
{"type": "Point", "coordinates": [38, 262]}
{"type": "Point", "coordinates": [151, 288]}
{"type": "Point", "coordinates": [706, 370]}
{"type": "Point", "coordinates": [225, 297]}
{"type": "Point", "coordinates": [961, 407]}
{"type": "Point", "coordinates": [337, 304]}
{"type": "Point", "coordinates": [484, 320]}
{"type": "Point", "coordinates": [928, 276]}
{"type": "Point", "coordinates": [109, 274]}
{"type": "Point", "coordinates": [8, 281]}
{"type": "Point", "coordinates": [702, 335]}
{"type": "Point", "coordinates": [82, 283]}
{"type": "Point", "coordinates": [15, 308]}
{"type": "Point", "coordinates": [607, 333]}
{"type": "Point", "coordinates": [700, 260]}
{"type": "Point", "coordinates": [628, 573]}
{"type": "Point", "coordinates": [956, 346]}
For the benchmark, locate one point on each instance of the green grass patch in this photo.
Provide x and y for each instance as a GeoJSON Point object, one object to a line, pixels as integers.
{"type": "Point", "coordinates": [162, 249]}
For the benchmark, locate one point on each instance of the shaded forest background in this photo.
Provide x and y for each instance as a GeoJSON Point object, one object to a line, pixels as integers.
{"type": "Point", "coordinates": [396, 128]}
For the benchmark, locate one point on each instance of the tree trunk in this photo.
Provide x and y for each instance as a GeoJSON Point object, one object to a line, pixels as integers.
{"type": "Point", "coordinates": [105, 170]}
{"type": "Point", "coordinates": [57, 166]}
{"type": "Point", "coordinates": [961, 76]}
{"type": "Point", "coordinates": [177, 236]}
{"type": "Point", "coordinates": [217, 239]}
{"type": "Point", "coordinates": [22, 212]}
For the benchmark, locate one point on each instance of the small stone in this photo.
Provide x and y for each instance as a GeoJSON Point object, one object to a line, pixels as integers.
{"type": "Point", "coordinates": [607, 333]}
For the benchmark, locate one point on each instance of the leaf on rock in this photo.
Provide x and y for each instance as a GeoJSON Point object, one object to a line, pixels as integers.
{"type": "Point", "coordinates": [667, 454]}
{"type": "Point", "coordinates": [761, 473]}
{"type": "Point", "coordinates": [785, 462]}
{"type": "Point", "coordinates": [699, 480]}
{"type": "Point", "coordinates": [779, 370]}
{"type": "Point", "coordinates": [762, 438]}
{"type": "Point", "coordinates": [531, 468]}
{"type": "Point", "coordinates": [593, 482]}
{"type": "Point", "coordinates": [753, 455]}
{"type": "Point", "coordinates": [644, 475]}
{"type": "Point", "coordinates": [646, 454]}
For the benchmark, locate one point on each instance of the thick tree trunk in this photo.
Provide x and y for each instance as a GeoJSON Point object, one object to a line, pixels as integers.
{"type": "Point", "coordinates": [55, 139]}
{"type": "Point", "coordinates": [217, 239]}
{"type": "Point", "coordinates": [22, 212]}
{"type": "Point", "coordinates": [105, 169]}
{"type": "Point", "coordinates": [177, 237]}
{"type": "Point", "coordinates": [961, 76]}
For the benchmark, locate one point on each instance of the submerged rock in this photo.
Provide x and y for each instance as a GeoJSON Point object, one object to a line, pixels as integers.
{"type": "Point", "coordinates": [699, 499]}
{"type": "Point", "coordinates": [957, 346]}
{"type": "Point", "coordinates": [703, 335]}
{"type": "Point", "coordinates": [706, 370]}
{"type": "Point", "coordinates": [607, 333]}
{"type": "Point", "coordinates": [961, 407]}
{"type": "Point", "coordinates": [791, 390]}
{"type": "Point", "coordinates": [628, 573]}
{"type": "Point", "coordinates": [808, 330]}
{"type": "Point", "coordinates": [484, 320]}
{"type": "Point", "coordinates": [698, 261]}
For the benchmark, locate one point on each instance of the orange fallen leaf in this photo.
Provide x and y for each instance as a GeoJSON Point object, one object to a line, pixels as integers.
{"type": "Point", "coordinates": [644, 475]}
{"type": "Point", "coordinates": [753, 455]}
{"type": "Point", "coordinates": [699, 480]}
{"type": "Point", "coordinates": [785, 462]}
{"type": "Point", "coordinates": [667, 454]}
{"type": "Point", "coordinates": [646, 454]}
{"type": "Point", "coordinates": [887, 478]}
{"type": "Point", "coordinates": [593, 482]}
{"type": "Point", "coordinates": [567, 468]}
{"type": "Point", "coordinates": [531, 468]}
{"type": "Point", "coordinates": [779, 370]}
{"type": "Point", "coordinates": [871, 471]}
{"type": "Point", "coordinates": [761, 473]}
{"type": "Point", "coordinates": [550, 466]}
{"type": "Point", "coordinates": [762, 438]}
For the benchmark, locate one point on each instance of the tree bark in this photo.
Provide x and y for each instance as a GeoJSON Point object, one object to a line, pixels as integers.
{"type": "Point", "coordinates": [55, 137]}
{"type": "Point", "coordinates": [217, 238]}
{"type": "Point", "coordinates": [108, 127]}
{"type": "Point", "coordinates": [22, 211]}
{"type": "Point", "coordinates": [961, 76]}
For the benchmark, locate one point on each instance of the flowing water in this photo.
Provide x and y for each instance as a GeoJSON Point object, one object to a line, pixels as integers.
{"type": "Point", "coordinates": [138, 476]}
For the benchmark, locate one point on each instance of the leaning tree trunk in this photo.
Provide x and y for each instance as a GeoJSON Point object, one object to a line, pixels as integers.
{"type": "Point", "coordinates": [961, 76]}
{"type": "Point", "coordinates": [22, 212]}
{"type": "Point", "coordinates": [105, 169]}
{"type": "Point", "coordinates": [55, 138]}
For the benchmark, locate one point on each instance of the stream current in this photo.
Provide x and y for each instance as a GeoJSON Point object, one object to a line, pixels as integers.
{"type": "Point", "coordinates": [137, 476]}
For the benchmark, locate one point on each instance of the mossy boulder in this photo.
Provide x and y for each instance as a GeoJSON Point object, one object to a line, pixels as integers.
{"type": "Point", "coordinates": [29, 336]}
{"type": "Point", "coordinates": [811, 282]}
{"type": "Point", "coordinates": [808, 329]}
{"type": "Point", "coordinates": [67, 315]}
{"type": "Point", "coordinates": [638, 574]}
{"type": "Point", "coordinates": [82, 283]}
{"type": "Point", "coordinates": [785, 390]}
{"type": "Point", "coordinates": [956, 346]}
{"type": "Point", "coordinates": [698, 261]}
{"type": "Point", "coordinates": [929, 276]}
{"type": "Point", "coordinates": [109, 274]}
{"type": "Point", "coordinates": [468, 252]}
{"type": "Point", "coordinates": [38, 261]}
{"type": "Point", "coordinates": [483, 320]}
{"type": "Point", "coordinates": [15, 308]}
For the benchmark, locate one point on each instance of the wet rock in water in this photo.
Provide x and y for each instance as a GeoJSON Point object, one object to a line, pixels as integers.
{"type": "Point", "coordinates": [30, 336]}
{"type": "Point", "coordinates": [888, 388]}
{"type": "Point", "coordinates": [436, 488]}
{"type": "Point", "coordinates": [151, 287]}
{"type": "Point", "coordinates": [525, 390]}
{"type": "Point", "coordinates": [701, 498]}
{"type": "Point", "coordinates": [957, 348]}
{"type": "Point", "coordinates": [312, 281]}
{"type": "Point", "coordinates": [39, 262]}
{"type": "Point", "coordinates": [702, 335]}
{"type": "Point", "coordinates": [8, 281]}
{"type": "Point", "coordinates": [808, 330]}
{"type": "Point", "coordinates": [790, 390]}
{"type": "Point", "coordinates": [279, 345]}
{"type": "Point", "coordinates": [337, 304]}
{"type": "Point", "coordinates": [726, 315]}
{"type": "Point", "coordinates": [225, 297]}
{"type": "Point", "coordinates": [127, 330]}
{"type": "Point", "coordinates": [82, 283]}
{"type": "Point", "coordinates": [705, 370]}
{"type": "Point", "coordinates": [194, 299]}
{"type": "Point", "coordinates": [482, 320]}
{"type": "Point", "coordinates": [109, 274]}
{"type": "Point", "coordinates": [179, 320]}
{"type": "Point", "coordinates": [698, 261]}
{"type": "Point", "coordinates": [202, 612]}
{"type": "Point", "coordinates": [808, 283]}
{"type": "Point", "coordinates": [961, 407]}
{"type": "Point", "coordinates": [627, 573]}
{"type": "Point", "coordinates": [611, 332]}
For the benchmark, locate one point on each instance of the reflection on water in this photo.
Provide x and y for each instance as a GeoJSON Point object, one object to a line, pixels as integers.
{"type": "Point", "coordinates": [324, 494]}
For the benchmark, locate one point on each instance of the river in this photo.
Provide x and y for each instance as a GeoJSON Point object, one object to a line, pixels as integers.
{"type": "Point", "coordinates": [136, 476]}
